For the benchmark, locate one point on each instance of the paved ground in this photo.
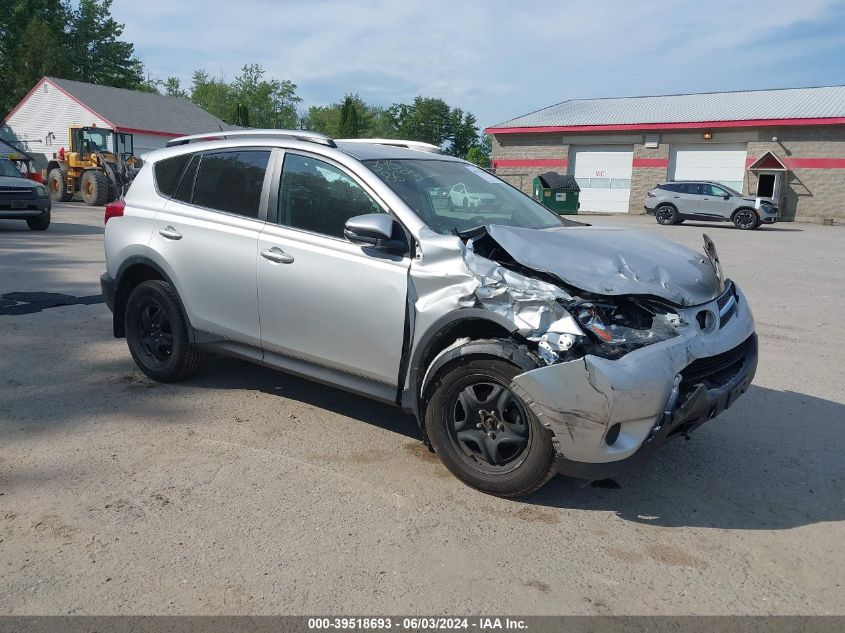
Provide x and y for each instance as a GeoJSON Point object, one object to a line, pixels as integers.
{"type": "Point", "coordinates": [247, 491]}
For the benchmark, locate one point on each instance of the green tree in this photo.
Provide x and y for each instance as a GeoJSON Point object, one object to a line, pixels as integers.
{"type": "Point", "coordinates": [348, 118]}
{"type": "Point", "coordinates": [97, 54]}
{"type": "Point", "coordinates": [477, 156]}
{"type": "Point", "coordinates": [172, 87]}
{"type": "Point", "coordinates": [463, 132]}
{"type": "Point", "coordinates": [32, 42]}
{"type": "Point", "coordinates": [270, 103]}
{"type": "Point", "coordinates": [426, 119]}
{"type": "Point", "coordinates": [212, 95]}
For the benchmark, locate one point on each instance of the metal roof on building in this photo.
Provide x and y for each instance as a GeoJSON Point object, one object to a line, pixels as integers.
{"type": "Point", "coordinates": [826, 102]}
{"type": "Point", "coordinates": [134, 110]}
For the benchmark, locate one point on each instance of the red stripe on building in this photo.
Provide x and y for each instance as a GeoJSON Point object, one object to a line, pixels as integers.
{"type": "Point", "coordinates": [132, 130]}
{"type": "Point", "coordinates": [531, 162]}
{"type": "Point", "coordinates": [804, 163]}
{"type": "Point", "coordinates": [814, 163]}
{"type": "Point", "coordinates": [693, 125]}
{"type": "Point", "coordinates": [651, 162]}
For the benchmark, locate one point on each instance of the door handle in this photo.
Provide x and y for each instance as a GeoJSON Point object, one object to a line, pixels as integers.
{"type": "Point", "coordinates": [676, 197]}
{"type": "Point", "coordinates": [170, 233]}
{"type": "Point", "coordinates": [277, 255]}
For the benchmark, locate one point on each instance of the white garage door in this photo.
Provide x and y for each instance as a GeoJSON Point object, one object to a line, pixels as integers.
{"type": "Point", "coordinates": [604, 175]}
{"type": "Point", "coordinates": [723, 162]}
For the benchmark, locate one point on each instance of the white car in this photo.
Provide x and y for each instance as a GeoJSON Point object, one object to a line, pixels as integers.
{"type": "Point", "coordinates": [459, 196]}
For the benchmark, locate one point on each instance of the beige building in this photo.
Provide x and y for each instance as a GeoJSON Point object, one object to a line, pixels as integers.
{"type": "Point", "coordinates": [785, 144]}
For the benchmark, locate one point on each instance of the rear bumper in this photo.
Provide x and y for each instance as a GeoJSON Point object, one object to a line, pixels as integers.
{"type": "Point", "coordinates": [609, 415]}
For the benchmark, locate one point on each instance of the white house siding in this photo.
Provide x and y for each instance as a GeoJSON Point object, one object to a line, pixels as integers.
{"type": "Point", "coordinates": [145, 143]}
{"type": "Point", "coordinates": [46, 110]}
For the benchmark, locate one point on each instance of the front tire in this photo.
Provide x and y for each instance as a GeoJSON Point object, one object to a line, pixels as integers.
{"type": "Point", "coordinates": [666, 215]}
{"type": "Point", "coordinates": [746, 219]}
{"type": "Point", "coordinates": [57, 184]}
{"type": "Point", "coordinates": [40, 223]}
{"type": "Point", "coordinates": [157, 333]}
{"type": "Point", "coordinates": [484, 433]}
{"type": "Point", "coordinates": [94, 186]}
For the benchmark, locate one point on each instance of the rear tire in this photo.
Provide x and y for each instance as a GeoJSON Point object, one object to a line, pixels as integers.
{"type": "Point", "coordinates": [666, 215]}
{"type": "Point", "coordinates": [94, 186]}
{"type": "Point", "coordinates": [39, 224]}
{"type": "Point", "coordinates": [471, 407]}
{"type": "Point", "coordinates": [157, 333]}
{"type": "Point", "coordinates": [57, 184]}
{"type": "Point", "coordinates": [746, 219]}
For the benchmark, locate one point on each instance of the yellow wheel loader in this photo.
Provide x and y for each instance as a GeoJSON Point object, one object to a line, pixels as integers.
{"type": "Point", "coordinates": [100, 165]}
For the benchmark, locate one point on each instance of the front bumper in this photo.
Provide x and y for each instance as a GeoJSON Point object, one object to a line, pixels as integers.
{"type": "Point", "coordinates": [607, 415]}
{"type": "Point", "coordinates": [24, 209]}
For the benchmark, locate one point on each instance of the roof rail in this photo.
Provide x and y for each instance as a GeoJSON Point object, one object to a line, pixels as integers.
{"type": "Point", "coordinates": [299, 135]}
{"type": "Point", "coordinates": [417, 145]}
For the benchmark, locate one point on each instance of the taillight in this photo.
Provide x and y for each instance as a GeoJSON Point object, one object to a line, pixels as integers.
{"type": "Point", "coordinates": [649, 195]}
{"type": "Point", "coordinates": [114, 210]}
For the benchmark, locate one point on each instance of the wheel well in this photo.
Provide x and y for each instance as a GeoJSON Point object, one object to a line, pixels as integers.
{"type": "Point", "coordinates": [735, 211]}
{"type": "Point", "coordinates": [667, 204]}
{"type": "Point", "coordinates": [467, 328]}
{"type": "Point", "coordinates": [130, 278]}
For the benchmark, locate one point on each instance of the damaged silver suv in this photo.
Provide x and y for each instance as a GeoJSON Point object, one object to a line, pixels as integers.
{"type": "Point", "coordinates": [525, 344]}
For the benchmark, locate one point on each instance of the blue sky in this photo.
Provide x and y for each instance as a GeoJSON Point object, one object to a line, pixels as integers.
{"type": "Point", "coordinates": [495, 58]}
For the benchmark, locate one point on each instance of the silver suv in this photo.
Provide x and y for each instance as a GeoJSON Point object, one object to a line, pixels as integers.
{"type": "Point", "coordinates": [674, 202]}
{"type": "Point", "coordinates": [524, 343]}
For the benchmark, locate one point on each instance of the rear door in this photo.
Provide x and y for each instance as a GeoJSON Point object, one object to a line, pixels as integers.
{"type": "Point", "coordinates": [324, 301]}
{"type": "Point", "coordinates": [207, 234]}
{"type": "Point", "coordinates": [687, 197]}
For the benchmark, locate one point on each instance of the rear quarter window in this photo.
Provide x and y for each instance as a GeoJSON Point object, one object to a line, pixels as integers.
{"type": "Point", "coordinates": [167, 173]}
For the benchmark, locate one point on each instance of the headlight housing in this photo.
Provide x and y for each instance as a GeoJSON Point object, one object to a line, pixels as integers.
{"type": "Point", "coordinates": [41, 192]}
{"type": "Point", "coordinates": [620, 326]}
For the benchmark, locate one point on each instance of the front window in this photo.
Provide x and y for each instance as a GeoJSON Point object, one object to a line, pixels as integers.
{"type": "Point", "coordinates": [97, 140]}
{"type": "Point", "coordinates": [8, 169]}
{"type": "Point", "coordinates": [452, 197]}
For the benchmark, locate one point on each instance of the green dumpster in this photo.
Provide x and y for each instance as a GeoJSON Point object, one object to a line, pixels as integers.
{"type": "Point", "coordinates": [557, 192]}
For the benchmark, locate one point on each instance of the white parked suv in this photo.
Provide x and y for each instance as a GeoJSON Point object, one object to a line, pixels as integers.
{"type": "Point", "coordinates": [524, 343]}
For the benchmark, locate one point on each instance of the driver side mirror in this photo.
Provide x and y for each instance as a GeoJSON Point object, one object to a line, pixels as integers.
{"type": "Point", "coordinates": [374, 229]}
{"type": "Point", "coordinates": [727, 196]}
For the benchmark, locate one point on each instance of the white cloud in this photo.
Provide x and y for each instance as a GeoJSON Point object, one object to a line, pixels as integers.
{"type": "Point", "coordinates": [498, 59]}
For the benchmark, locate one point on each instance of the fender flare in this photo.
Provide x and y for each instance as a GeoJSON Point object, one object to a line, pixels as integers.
{"type": "Point", "coordinates": [120, 301]}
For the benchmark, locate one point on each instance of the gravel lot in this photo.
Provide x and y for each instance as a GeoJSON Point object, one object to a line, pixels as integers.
{"type": "Point", "coordinates": [246, 491]}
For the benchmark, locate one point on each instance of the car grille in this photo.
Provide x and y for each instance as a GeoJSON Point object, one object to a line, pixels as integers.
{"type": "Point", "coordinates": [728, 303]}
{"type": "Point", "coordinates": [17, 193]}
{"type": "Point", "coordinates": [716, 370]}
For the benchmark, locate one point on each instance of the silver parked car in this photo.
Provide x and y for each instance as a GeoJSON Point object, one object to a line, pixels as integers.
{"type": "Point", "coordinates": [674, 202]}
{"type": "Point", "coordinates": [524, 343]}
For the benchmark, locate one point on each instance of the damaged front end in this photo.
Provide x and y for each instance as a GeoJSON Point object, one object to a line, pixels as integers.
{"type": "Point", "coordinates": [649, 349]}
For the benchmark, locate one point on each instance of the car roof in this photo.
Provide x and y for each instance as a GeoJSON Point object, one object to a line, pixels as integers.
{"type": "Point", "coordinates": [378, 151]}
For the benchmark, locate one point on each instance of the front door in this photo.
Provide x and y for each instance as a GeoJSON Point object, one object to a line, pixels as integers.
{"type": "Point", "coordinates": [324, 301]}
{"type": "Point", "coordinates": [716, 202]}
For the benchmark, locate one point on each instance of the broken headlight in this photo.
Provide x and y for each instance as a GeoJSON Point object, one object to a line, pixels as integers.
{"type": "Point", "coordinates": [625, 324]}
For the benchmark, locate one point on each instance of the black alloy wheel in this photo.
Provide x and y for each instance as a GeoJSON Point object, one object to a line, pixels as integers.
{"type": "Point", "coordinates": [487, 424]}
{"type": "Point", "coordinates": [666, 215]}
{"type": "Point", "coordinates": [155, 331]}
{"type": "Point", "coordinates": [746, 220]}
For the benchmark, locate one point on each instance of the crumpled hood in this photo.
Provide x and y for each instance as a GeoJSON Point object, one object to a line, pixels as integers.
{"type": "Point", "coordinates": [613, 261]}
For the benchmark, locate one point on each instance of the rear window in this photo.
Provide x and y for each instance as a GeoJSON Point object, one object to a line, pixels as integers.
{"type": "Point", "coordinates": [231, 181]}
{"type": "Point", "coordinates": [167, 173]}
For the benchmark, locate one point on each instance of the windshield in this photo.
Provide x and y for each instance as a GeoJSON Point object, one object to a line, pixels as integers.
{"type": "Point", "coordinates": [452, 197]}
{"type": "Point", "coordinates": [8, 169]}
